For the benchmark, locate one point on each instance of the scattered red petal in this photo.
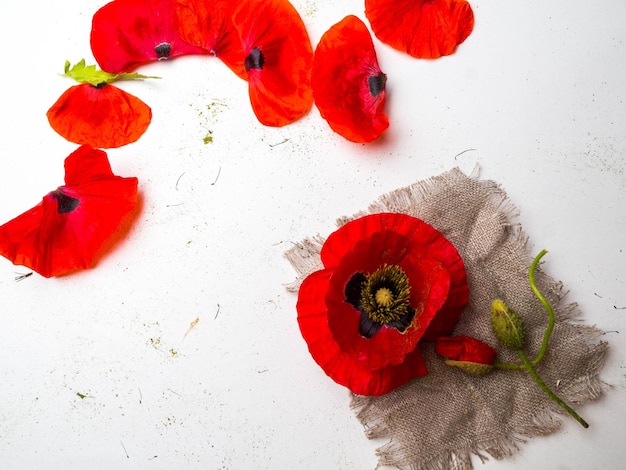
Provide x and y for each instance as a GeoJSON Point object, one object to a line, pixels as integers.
{"type": "Point", "coordinates": [101, 117]}
{"type": "Point", "coordinates": [348, 85]}
{"type": "Point", "coordinates": [278, 57]}
{"type": "Point", "coordinates": [128, 33]}
{"type": "Point", "coordinates": [465, 349]}
{"type": "Point", "coordinates": [67, 229]}
{"type": "Point", "coordinates": [330, 324]}
{"type": "Point", "coordinates": [426, 29]}
{"type": "Point", "coordinates": [209, 25]}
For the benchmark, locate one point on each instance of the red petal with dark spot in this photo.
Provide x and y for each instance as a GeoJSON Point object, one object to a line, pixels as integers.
{"type": "Point", "coordinates": [101, 117]}
{"type": "Point", "coordinates": [280, 57]}
{"type": "Point", "coordinates": [128, 33]}
{"type": "Point", "coordinates": [348, 85]}
{"type": "Point", "coordinates": [425, 29]}
{"type": "Point", "coordinates": [339, 365]}
{"type": "Point", "coordinates": [54, 239]}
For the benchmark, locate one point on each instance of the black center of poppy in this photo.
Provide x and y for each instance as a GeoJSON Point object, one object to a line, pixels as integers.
{"type": "Point", "coordinates": [377, 83]}
{"type": "Point", "coordinates": [65, 203]}
{"type": "Point", "coordinates": [254, 60]}
{"type": "Point", "coordinates": [383, 299]}
{"type": "Point", "coordinates": [163, 50]}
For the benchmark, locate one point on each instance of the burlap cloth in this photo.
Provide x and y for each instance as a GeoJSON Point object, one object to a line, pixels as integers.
{"type": "Point", "coordinates": [438, 421]}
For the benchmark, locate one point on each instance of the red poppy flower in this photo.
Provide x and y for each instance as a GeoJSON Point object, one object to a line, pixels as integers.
{"type": "Point", "coordinates": [128, 33]}
{"type": "Point", "coordinates": [467, 353]}
{"type": "Point", "coordinates": [209, 25]}
{"type": "Point", "coordinates": [386, 278]}
{"type": "Point", "coordinates": [68, 227]}
{"type": "Point", "coordinates": [425, 29]}
{"type": "Point", "coordinates": [277, 58]}
{"type": "Point", "coordinates": [101, 116]}
{"type": "Point", "coordinates": [348, 85]}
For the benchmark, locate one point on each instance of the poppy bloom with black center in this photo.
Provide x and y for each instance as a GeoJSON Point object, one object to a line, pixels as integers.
{"type": "Point", "coordinates": [389, 281]}
{"type": "Point", "coordinates": [467, 353]}
{"type": "Point", "coordinates": [68, 228]}
{"type": "Point", "coordinates": [426, 29]}
{"type": "Point", "coordinates": [348, 85]}
{"type": "Point", "coordinates": [128, 33]}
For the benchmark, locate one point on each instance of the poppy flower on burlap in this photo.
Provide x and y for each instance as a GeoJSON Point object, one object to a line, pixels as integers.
{"type": "Point", "coordinates": [209, 25]}
{"type": "Point", "coordinates": [426, 29]}
{"type": "Point", "coordinates": [277, 59]}
{"type": "Point", "coordinates": [348, 85]}
{"type": "Point", "coordinates": [128, 33]}
{"type": "Point", "coordinates": [69, 227]}
{"type": "Point", "coordinates": [467, 353]}
{"type": "Point", "coordinates": [389, 281]}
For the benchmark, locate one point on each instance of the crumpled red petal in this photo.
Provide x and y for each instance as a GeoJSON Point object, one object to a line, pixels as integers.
{"type": "Point", "coordinates": [425, 29]}
{"type": "Point", "coordinates": [348, 85]}
{"type": "Point", "coordinates": [101, 117]}
{"type": "Point", "coordinates": [128, 33]}
{"type": "Point", "coordinates": [339, 365]}
{"type": "Point", "coordinates": [278, 57]}
{"type": "Point", "coordinates": [67, 229]}
{"type": "Point", "coordinates": [209, 25]}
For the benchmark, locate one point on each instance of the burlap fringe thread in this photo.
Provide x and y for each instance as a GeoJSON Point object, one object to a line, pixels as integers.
{"type": "Point", "coordinates": [438, 421]}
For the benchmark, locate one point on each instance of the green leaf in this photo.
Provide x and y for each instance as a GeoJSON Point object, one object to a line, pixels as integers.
{"type": "Point", "coordinates": [83, 73]}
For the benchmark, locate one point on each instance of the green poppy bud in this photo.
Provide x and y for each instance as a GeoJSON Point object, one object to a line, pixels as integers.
{"type": "Point", "coordinates": [507, 325]}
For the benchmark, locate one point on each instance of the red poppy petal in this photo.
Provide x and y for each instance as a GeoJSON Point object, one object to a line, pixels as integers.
{"type": "Point", "coordinates": [348, 85]}
{"type": "Point", "coordinates": [128, 33]}
{"type": "Point", "coordinates": [101, 117]}
{"type": "Point", "coordinates": [450, 313]}
{"type": "Point", "coordinates": [425, 29]}
{"type": "Point", "coordinates": [279, 57]}
{"type": "Point", "coordinates": [343, 240]}
{"type": "Point", "coordinates": [466, 349]}
{"type": "Point", "coordinates": [209, 25]}
{"type": "Point", "coordinates": [341, 367]}
{"type": "Point", "coordinates": [53, 240]}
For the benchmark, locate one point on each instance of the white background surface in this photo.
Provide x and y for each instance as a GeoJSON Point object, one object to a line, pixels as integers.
{"type": "Point", "coordinates": [537, 92]}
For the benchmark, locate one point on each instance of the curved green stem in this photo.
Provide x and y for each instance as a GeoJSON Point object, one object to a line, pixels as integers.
{"type": "Point", "coordinates": [507, 366]}
{"type": "Point", "coordinates": [531, 370]}
{"type": "Point", "coordinates": [546, 304]}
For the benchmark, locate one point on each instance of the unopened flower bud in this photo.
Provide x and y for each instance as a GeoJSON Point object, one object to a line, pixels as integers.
{"type": "Point", "coordinates": [466, 353]}
{"type": "Point", "coordinates": [507, 325]}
